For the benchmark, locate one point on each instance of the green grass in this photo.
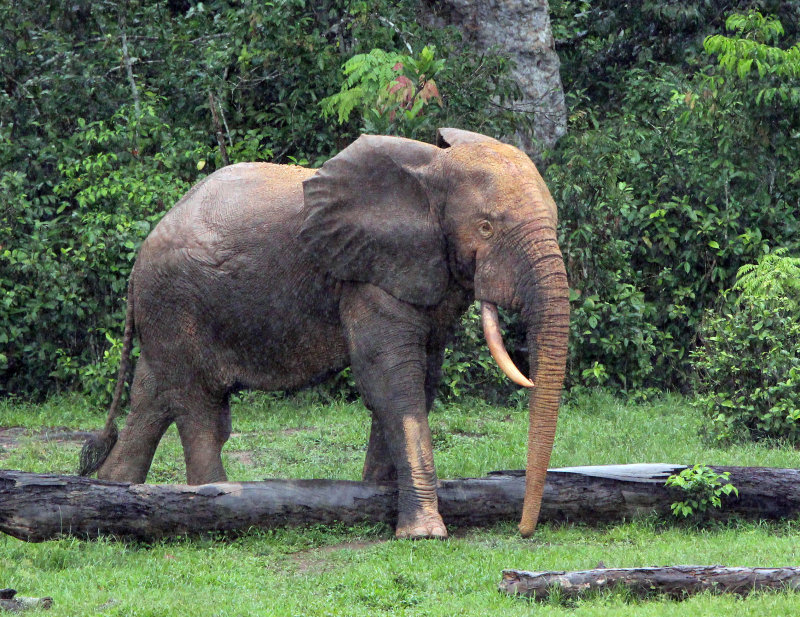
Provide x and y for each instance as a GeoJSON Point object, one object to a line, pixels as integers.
{"type": "Point", "coordinates": [361, 570]}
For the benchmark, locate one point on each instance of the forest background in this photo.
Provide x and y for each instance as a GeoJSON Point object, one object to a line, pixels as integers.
{"type": "Point", "coordinates": [681, 165]}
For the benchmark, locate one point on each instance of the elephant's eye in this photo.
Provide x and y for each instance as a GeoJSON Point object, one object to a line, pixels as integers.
{"type": "Point", "coordinates": [485, 229]}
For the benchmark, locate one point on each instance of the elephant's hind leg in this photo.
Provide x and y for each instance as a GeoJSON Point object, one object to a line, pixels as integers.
{"type": "Point", "coordinates": [204, 425]}
{"type": "Point", "coordinates": [130, 459]}
{"type": "Point", "coordinates": [378, 464]}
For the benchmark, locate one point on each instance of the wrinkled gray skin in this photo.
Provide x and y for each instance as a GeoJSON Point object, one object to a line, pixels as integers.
{"type": "Point", "coordinates": [273, 277]}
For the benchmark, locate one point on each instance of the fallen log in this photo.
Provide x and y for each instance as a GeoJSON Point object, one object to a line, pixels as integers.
{"type": "Point", "coordinates": [37, 507]}
{"type": "Point", "coordinates": [674, 581]}
{"type": "Point", "coordinates": [10, 601]}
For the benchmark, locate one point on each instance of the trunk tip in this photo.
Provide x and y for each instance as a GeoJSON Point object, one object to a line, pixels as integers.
{"type": "Point", "coordinates": [526, 529]}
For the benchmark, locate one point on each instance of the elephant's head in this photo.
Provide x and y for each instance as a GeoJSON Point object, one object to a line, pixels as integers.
{"type": "Point", "coordinates": [412, 217]}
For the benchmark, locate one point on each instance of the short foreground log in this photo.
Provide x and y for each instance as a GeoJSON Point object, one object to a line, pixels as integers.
{"type": "Point", "coordinates": [674, 581]}
{"type": "Point", "coordinates": [38, 507]}
{"type": "Point", "coordinates": [10, 601]}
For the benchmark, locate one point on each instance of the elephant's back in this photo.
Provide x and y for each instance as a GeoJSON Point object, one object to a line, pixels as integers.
{"type": "Point", "coordinates": [237, 201]}
{"type": "Point", "coordinates": [237, 224]}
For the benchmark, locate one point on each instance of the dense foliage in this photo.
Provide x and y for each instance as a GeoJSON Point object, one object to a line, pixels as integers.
{"type": "Point", "coordinates": [749, 358]}
{"type": "Point", "coordinates": [681, 163]}
{"type": "Point", "coordinates": [108, 113]}
{"type": "Point", "coordinates": [675, 172]}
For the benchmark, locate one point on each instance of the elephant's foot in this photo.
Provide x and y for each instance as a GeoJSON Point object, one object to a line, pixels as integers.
{"type": "Point", "coordinates": [420, 525]}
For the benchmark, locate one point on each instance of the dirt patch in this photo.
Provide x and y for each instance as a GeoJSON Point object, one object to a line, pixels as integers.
{"type": "Point", "coordinates": [245, 457]}
{"type": "Point", "coordinates": [11, 436]}
{"type": "Point", "coordinates": [471, 434]}
{"type": "Point", "coordinates": [299, 429]}
{"type": "Point", "coordinates": [315, 559]}
{"type": "Point", "coordinates": [286, 431]}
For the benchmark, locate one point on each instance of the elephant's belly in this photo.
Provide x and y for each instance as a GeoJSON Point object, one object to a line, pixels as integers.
{"type": "Point", "coordinates": [274, 327]}
{"type": "Point", "coordinates": [293, 360]}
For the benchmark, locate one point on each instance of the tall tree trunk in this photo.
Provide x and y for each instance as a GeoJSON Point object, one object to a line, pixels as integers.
{"type": "Point", "coordinates": [126, 59]}
{"type": "Point", "coordinates": [223, 151]}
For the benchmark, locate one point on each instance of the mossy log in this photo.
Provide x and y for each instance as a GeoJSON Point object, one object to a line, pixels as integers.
{"type": "Point", "coordinates": [674, 581]}
{"type": "Point", "coordinates": [38, 507]}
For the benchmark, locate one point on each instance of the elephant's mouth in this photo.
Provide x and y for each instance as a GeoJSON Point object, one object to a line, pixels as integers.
{"type": "Point", "coordinates": [494, 339]}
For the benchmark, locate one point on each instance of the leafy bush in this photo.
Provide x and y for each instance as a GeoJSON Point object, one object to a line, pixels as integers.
{"type": "Point", "coordinates": [749, 51]}
{"type": "Point", "coordinates": [670, 178]}
{"type": "Point", "coordinates": [68, 254]}
{"type": "Point", "coordinates": [748, 359]}
{"type": "Point", "coordinates": [390, 92]}
{"type": "Point", "coordinates": [704, 487]}
{"type": "Point", "coordinates": [469, 368]}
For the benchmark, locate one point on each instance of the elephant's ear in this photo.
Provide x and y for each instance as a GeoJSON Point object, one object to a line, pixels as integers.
{"type": "Point", "coordinates": [370, 216]}
{"type": "Point", "coordinates": [446, 138]}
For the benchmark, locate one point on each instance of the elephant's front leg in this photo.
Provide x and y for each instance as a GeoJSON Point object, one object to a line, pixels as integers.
{"type": "Point", "coordinates": [378, 465]}
{"type": "Point", "coordinates": [387, 340]}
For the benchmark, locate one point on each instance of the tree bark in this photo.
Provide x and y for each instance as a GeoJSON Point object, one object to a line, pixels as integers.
{"type": "Point", "coordinates": [674, 581]}
{"type": "Point", "coordinates": [38, 507]}
{"type": "Point", "coordinates": [523, 32]}
{"type": "Point", "coordinates": [223, 151]}
{"type": "Point", "coordinates": [126, 58]}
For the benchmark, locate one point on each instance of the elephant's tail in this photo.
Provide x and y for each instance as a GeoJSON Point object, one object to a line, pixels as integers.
{"type": "Point", "coordinates": [97, 447]}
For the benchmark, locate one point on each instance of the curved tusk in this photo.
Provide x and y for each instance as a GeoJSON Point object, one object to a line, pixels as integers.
{"type": "Point", "coordinates": [491, 331]}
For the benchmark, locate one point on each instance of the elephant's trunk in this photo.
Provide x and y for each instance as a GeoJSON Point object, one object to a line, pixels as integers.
{"type": "Point", "coordinates": [545, 301]}
{"type": "Point", "coordinates": [526, 271]}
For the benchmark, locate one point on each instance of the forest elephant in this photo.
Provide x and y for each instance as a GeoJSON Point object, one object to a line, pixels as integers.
{"type": "Point", "coordinates": [271, 277]}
